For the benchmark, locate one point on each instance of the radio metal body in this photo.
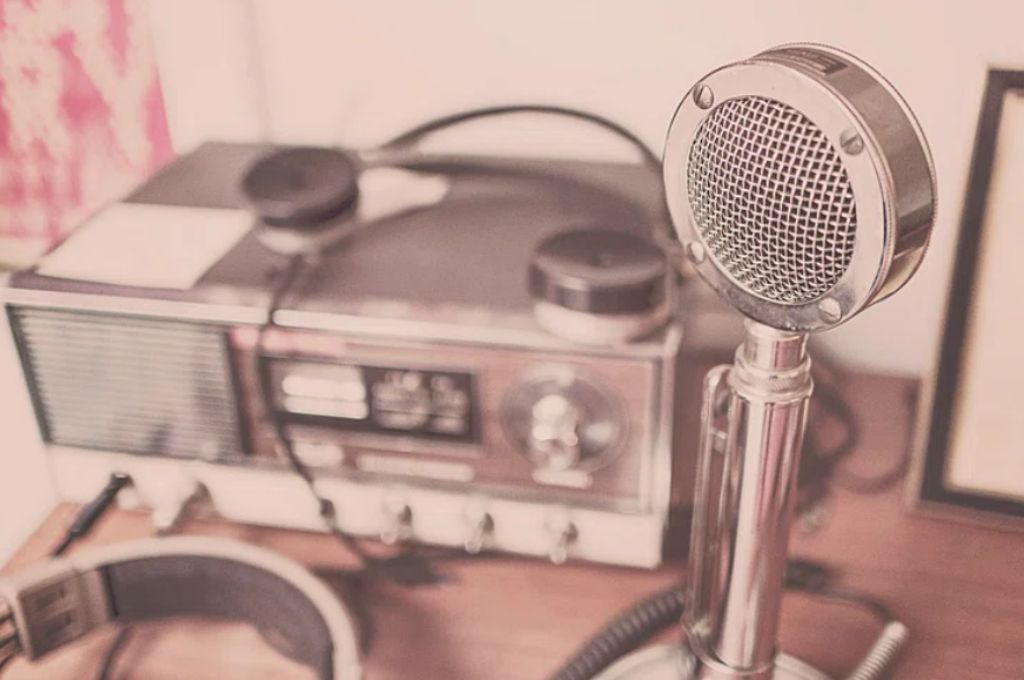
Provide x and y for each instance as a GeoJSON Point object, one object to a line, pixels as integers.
{"type": "Point", "coordinates": [404, 366]}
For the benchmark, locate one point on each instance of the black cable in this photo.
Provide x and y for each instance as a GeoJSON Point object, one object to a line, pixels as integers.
{"type": "Point", "coordinates": [406, 568]}
{"type": "Point", "coordinates": [283, 283]}
{"type": "Point", "coordinates": [663, 235]}
{"type": "Point", "coordinates": [882, 481]}
{"type": "Point", "coordinates": [113, 652]}
{"type": "Point", "coordinates": [821, 458]}
{"type": "Point", "coordinates": [854, 597]}
{"type": "Point", "coordinates": [625, 633]}
{"type": "Point", "coordinates": [413, 135]}
{"type": "Point", "coordinates": [826, 464]}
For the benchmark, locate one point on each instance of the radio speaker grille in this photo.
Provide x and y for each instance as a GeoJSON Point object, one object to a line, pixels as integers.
{"type": "Point", "coordinates": [130, 384]}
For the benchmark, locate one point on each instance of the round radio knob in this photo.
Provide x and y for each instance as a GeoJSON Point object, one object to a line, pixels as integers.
{"type": "Point", "coordinates": [562, 422]}
{"type": "Point", "coordinates": [555, 431]}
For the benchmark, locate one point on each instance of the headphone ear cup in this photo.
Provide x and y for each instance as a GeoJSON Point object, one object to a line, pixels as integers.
{"type": "Point", "coordinates": [304, 198]}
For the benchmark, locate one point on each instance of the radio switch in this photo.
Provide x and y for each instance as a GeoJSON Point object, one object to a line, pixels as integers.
{"type": "Point", "coordinates": [479, 527]}
{"type": "Point", "coordinates": [563, 533]}
{"type": "Point", "coordinates": [397, 522]}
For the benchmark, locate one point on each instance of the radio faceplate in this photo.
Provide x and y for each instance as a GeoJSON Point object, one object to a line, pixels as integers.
{"type": "Point", "coordinates": [346, 396]}
{"type": "Point", "coordinates": [485, 382]}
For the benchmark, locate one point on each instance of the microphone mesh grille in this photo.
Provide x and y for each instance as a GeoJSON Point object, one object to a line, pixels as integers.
{"type": "Point", "coordinates": [772, 200]}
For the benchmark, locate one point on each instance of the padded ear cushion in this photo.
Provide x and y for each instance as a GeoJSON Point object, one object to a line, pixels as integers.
{"type": "Point", "coordinates": [178, 585]}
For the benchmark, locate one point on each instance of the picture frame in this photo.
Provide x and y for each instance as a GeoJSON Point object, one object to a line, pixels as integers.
{"type": "Point", "coordinates": [968, 463]}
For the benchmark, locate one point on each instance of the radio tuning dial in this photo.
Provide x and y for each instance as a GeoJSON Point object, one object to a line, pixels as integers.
{"type": "Point", "coordinates": [555, 431]}
{"type": "Point", "coordinates": [563, 422]}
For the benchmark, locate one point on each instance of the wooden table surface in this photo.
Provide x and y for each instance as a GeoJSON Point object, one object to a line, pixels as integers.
{"type": "Point", "coordinates": [959, 588]}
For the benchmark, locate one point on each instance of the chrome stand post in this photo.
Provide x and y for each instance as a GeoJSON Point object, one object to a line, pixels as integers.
{"type": "Point", "coordinates": [748, 461]}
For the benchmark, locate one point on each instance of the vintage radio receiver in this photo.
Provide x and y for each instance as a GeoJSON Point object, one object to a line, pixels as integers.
{"type": "Point", "coordinates": [473, 352]}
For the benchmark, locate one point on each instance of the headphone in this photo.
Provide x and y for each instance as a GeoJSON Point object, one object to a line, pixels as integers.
{"type": "Point", "coordinates": [53, 604]}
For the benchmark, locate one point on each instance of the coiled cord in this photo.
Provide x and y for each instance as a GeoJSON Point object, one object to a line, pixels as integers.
{"type": "Point", "coordinates": [625, 633]}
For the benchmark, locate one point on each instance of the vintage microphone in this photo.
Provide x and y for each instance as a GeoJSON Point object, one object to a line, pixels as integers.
{"type": "Point", "coordinates": [802, 190]}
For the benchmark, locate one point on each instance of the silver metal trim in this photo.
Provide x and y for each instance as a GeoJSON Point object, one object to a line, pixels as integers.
{"type": "Point", "coordinates": [529, 335]}
{"type": "Point", "coordinates": [526, 333]}
{"type": "Point", "coordinates": [132, 306]}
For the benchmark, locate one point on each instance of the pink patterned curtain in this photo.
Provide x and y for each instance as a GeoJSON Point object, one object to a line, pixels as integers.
{"type": "Point", "coordinates": [81, 112]}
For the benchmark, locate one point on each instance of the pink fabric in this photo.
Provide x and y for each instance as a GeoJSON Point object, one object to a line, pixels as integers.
{"type": "Point", "coordinates": [81, 110]}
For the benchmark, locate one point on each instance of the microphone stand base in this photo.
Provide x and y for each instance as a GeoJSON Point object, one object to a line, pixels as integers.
{"type": "Point", "coordinates": [677, 662]}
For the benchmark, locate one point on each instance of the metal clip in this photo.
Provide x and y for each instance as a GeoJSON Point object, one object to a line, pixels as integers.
{"type": "Point", "coordinates": [56, 604]}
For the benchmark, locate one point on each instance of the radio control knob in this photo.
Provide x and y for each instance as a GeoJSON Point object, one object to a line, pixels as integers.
{"type": "Point", "coordinates": [563, 422]}
{"type": "Point", "coordinates": [555, 431]}
{"type": "Point", "coordinates": [397, 521]}
{"type": "Point", "coordinates": [479, 525]}
{"type": "Point", "coordinates": [562, 534]}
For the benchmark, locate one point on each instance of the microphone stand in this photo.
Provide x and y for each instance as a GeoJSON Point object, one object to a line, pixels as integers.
{"type": "Point", "coordinates": [747, 467]}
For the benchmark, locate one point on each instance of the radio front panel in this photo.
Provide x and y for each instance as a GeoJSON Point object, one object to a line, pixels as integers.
{"type": "Point", "coordinates": [489, 417]}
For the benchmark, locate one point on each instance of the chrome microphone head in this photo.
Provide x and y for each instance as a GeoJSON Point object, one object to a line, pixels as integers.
{"type": "Point", "coordinates": [800, 185]}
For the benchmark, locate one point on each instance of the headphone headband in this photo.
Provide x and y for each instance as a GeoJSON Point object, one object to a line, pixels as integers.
{"type": "Point", "coordinates": [64, 599]}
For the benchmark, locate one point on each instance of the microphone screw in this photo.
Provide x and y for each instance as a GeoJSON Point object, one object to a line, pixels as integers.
{"type": "Point", "coordinates": [829, 310]}
{"type": "Point", "coordinates": [851, 142]}
{"type": "Point", "coordinates": [695, 252]}
{"type": "Point", "coordinates": [703, 96]}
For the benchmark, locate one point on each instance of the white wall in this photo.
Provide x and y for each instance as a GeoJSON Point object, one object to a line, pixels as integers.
{"type": "Point", "coordinates": [354, 72]}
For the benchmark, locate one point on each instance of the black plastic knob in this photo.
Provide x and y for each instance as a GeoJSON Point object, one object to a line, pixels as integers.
{"type": "Point", "coordinates": [301, 187]}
